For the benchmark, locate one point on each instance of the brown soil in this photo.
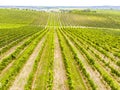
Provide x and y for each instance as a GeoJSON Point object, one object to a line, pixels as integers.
{"type": "Point", "coordinates": [60, 79]}
{"type": "Point", "coordinates": [21, 79]}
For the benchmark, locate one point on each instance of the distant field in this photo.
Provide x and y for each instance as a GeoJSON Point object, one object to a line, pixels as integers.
{"type": "Point", "coordinates": [99, 18]}
{"type": "Point", "coordinates": [69, 50]}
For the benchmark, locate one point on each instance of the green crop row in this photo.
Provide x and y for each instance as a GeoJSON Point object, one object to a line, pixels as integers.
{"type": "Point", "coordinates": [8, 78]}
{"type": "Point", "coordinates": [89, 18]}
{"type": "Point", "coordinates": [25, 17]}
{"type": "Point", "coordinates": [112, 69]}
{"type": "Point", "coordinates": [107, 64]}
{"type": "Point", "coordinates": [66, 62]}
{"type": "Point", "coordinates": [50, 65]}
{"type": "Point", "coordinates": [15, 34]}
{"type": "Point", "coordinates": [81, 66]}
{"type": "Point", "coordinates": [113, 84]}
{"type": "Point", "coordinates": [16, 53]}
{"type": "Point", "coordinates": [92, 44]}
{"type": "Point", "coordinates": [7, 47]}
{"type": "Point", "coordinates": [44, 75]}
{"type": "Point", "coordinates": [28, 85]}
{"type": "Point", "coordinates": [102, 38]}
{"type": "Point", "coordinates": [118, 63]}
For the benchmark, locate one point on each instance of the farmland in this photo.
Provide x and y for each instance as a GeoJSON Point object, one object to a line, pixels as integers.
{"type": "Point", "coordinates": [75, 50]}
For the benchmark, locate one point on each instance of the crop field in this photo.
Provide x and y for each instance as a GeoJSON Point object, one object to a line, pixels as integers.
{"type": "Point", "coordinates": [75, 50]}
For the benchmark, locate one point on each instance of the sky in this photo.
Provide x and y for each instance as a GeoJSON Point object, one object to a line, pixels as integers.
{"type": "Point", "coordinates": [60, 2]}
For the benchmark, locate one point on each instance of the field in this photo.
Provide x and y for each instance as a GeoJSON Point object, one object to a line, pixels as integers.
{"type": "Point", "coordinates": [75, 50]}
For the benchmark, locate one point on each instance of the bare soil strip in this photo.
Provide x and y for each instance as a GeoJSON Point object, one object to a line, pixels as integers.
{"type": "Point", "coordinates": [40, 70]}
{"type": "Point", "coordinates": [106, 59]}
{"type": "Point", "coordinates": [10, 64]}
{"type": "Point", "coordinates": [93, 73]}
{"type": "Point", "coordinates": [41, 74]}
{"type": "Point", "coordinates": [21, 79]}
{"type": "Point", "coordinates": [60, 79]}
{"type": "Point", "coordinates": [103, 57]}
{"type": "Point", "coordinates": [78, 81]}
{"type": "Point", "coordinates": [11, 50]}
{"type": "Point", "coordinates": [6, 68]}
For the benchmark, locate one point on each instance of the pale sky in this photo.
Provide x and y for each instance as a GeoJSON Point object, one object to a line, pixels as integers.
{"type": "Point", "coordinates": [60, 2]}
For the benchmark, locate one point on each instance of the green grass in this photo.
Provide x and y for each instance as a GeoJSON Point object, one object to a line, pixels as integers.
{"type": "Point", "coordinates": [97, 40]}
{"type": "Point", "coordinates": [92, 19]}
{"type": "Point", "coordinates": [7, 79]}
{"type": "Point", "coordinates": [74, 78]}
{"type": "Point", "coordinates": [14, 16]}
{"type": "Point", "coordinates": [104, 73]}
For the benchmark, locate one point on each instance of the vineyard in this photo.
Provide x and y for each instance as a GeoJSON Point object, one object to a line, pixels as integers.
{"type": "Point", "coordinates": [75, 50]}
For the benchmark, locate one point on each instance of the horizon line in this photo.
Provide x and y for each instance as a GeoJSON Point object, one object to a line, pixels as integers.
{"type": "Point", "coordinates": [61, 5]}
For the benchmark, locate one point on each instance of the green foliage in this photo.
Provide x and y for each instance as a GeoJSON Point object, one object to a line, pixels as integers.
{"type": "Point", "coordinates": [113, 83]}
{"type": "Point", "coordinates": [18, 25]}
{"type": "Point", "coordinates": [66, 63]}
{"type": "Point", "coordinates": [92, 18]}
{"type": "Point", "coordinates": [32, 73]}
{"type": "Point", "coordinates": [10, 37]}
{"type": "Point", "coordinates": [81, 66]}
{"type": "Point", "coordinates": [50, 65]}
{"type": "Point", "coordinates": [24, 17]}
{"type": "Point", "coordinates": [118, 63]}
{"type": "Point", "coordinates": [7, 79]}
{"type": "Point", "coordinates": [16, 53]}
{"type": "Point", "coordinates": [104, 37]}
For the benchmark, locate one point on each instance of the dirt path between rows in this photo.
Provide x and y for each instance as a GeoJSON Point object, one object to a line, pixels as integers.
{"type": "Point", "coordinates": [11, 50]}
{"type": "Point", "coordinates": [95, 76]}
{"type": "Point", "coordinates": [40, 70]}
{"type": "Point", "coordinates": [10, 64]}
{"type": "Point", "coordinates": [105, 58]}
{"type": "Point", "coordinates": [60, 79]}
{"type": "Point", "coordinates": [21, 79]}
